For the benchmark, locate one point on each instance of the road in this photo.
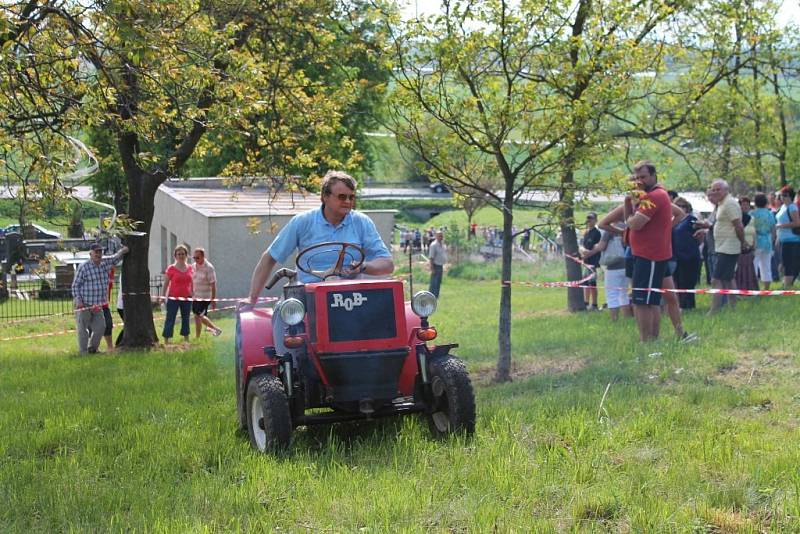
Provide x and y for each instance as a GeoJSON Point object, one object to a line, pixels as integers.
{"type": "Point", "coordinates": [377, 193]}
{"type": "Point", "coordinates": [81, 191]}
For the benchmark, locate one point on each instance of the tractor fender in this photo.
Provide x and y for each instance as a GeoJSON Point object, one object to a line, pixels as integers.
{"type": "Point", "coordinates": [253, 334]}
{"type": "Point", "coordinates": [413, 321]}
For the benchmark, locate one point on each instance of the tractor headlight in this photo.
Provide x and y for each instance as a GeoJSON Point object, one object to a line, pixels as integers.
{"type": "Point", "coordinates": [424, 303]}
{"type": "Point", "coordinates": [292, 311]}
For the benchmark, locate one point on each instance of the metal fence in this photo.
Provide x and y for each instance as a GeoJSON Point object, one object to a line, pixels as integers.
{"type": "Point", "coordinates": [37, 298]}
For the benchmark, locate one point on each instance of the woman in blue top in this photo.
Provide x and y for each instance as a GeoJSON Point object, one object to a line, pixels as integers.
{"type": "Point", "coordinates": [788, 218]}
{"type": "Point", "coordinates": [764, 223]}
{"type": "Point", "coordinates": [686, 252]}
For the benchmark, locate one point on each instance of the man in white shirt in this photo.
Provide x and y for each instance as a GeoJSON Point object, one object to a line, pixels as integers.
{"type": "Point", "coordinates": [437, 256]}
{"type": "Point", "coordinates": [728, 241]}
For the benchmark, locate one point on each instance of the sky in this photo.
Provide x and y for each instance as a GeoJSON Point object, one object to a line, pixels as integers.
{"type": "Point", "coordinates": [788, 13]}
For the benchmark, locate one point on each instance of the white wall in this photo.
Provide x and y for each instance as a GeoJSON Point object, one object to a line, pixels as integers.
{"type": "Point", "coordinates": [235, 250]}
{"type": "Point", "coordinates": [230, 244]}
{"type": "Point", "coordinates": [188, 225]}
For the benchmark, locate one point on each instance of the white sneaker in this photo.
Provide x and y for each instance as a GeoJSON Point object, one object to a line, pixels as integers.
{"type": "Point", "coordinates": [689, 337]}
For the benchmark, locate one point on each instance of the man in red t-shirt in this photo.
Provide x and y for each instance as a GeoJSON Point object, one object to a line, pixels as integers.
{"type": "Point", "coordinates": [648, 214]}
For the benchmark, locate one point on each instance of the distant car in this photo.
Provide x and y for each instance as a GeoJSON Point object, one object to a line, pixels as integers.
{"type": "Point", "coordinates": [41, 231]}
{"type": "Point", "coordinates": [439, 187]}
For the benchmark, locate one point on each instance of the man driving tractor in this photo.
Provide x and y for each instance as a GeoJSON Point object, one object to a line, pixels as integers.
{"type": "Point", "coordinates": [335, 221]}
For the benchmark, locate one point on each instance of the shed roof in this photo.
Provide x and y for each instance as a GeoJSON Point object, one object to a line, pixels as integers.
{"type": "Point", "coordinates": [241, 202]}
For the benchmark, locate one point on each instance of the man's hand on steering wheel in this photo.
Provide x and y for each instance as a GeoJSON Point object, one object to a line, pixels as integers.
{"type": "Point", "coordinates": [353, 270]}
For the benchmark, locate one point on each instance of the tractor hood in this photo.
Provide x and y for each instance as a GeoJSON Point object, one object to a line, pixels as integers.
{"type": "Point", "coordinates": [356, 315]}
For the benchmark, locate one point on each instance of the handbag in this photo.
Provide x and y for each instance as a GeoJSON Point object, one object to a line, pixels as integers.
{"type": "Point", "coordinates": [614, 252]}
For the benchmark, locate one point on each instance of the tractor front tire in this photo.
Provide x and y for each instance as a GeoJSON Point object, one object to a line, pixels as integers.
{"type": "Point", "coordinates": [453, 409]}
{"type": "Point", "coordinates": [269, 423]}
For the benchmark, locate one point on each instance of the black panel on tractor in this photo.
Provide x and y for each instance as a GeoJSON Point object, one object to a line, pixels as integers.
{"type": "Point", "coordinates": [360, 315]}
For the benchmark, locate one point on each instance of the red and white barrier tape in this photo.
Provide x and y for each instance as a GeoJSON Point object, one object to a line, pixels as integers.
{"type": "Point", "coordinates": [72, 330]}
{"type": "Point", "coordinates": [574, 283]}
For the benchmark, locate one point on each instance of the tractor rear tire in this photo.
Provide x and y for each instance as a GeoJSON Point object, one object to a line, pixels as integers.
{"type": "Point", "coordinates": [453, 409]}
{"type": "Point", "coordinates": [269, 423]}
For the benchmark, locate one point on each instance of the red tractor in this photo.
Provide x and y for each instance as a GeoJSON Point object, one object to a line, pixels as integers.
{"type": "Point", "coordinates": [344, 349]}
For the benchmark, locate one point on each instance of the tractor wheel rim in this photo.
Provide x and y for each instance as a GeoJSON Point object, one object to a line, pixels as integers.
{"type": "Point", "coordinates": [441, 421]}
{"type": "Point", "coordinates": [257, 424]}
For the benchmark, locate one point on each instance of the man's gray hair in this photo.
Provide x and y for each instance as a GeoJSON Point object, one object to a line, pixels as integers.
{"type": "Point", "coordinates": [722, 183]}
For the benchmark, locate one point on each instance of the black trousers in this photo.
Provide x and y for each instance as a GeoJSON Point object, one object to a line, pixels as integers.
{"type": "Point", "coordinates": [121, 313]}
{"type": "Point", "coordinates": [686, 276]}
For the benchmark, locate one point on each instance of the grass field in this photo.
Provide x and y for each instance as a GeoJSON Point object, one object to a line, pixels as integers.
{"type": "Point", "coordinates": [597, 432]}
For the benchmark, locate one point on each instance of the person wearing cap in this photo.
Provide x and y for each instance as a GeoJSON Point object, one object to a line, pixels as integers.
{"type": "Point", "coordinates": [437, 255]}
{"type": "Point", "coordinates": [90, 296]}
{"type": "Point", "coordinates": [591, 257]}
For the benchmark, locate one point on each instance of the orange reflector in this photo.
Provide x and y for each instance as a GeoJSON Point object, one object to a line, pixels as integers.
{"type": "Point", "coordinates": [426, 334]}
{"type": "Point", "coordinates": [293, 341]}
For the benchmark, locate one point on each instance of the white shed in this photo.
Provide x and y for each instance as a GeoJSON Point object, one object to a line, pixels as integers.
{"type": "Point", "coordinates": [234, 225]}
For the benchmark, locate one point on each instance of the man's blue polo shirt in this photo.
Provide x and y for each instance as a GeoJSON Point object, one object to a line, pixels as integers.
{"type": "Point", "coordinates": [311, 228]}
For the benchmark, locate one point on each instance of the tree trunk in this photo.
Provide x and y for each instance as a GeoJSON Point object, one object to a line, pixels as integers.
{"type": "Point", "coordinates": [139, 328]}
{"type": "Point", "coordinates": [504, 323]}
{"type": "Point", "coordinates": [569, 239]}
{"type": "Point", "coordinates": [784, 140]}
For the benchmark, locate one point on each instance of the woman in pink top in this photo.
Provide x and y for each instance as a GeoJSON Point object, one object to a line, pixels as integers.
{"type": "Point", "coordinates": [178, 284]}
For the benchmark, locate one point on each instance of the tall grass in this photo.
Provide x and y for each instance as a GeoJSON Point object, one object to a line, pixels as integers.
{"type": "Point", "coordinates": [687, 438]}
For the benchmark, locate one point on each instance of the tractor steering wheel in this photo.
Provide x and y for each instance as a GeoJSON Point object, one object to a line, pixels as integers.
{"type": "Point", "coordinates": [341, 249]}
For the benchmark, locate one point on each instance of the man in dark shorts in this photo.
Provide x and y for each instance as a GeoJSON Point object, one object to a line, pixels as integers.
{"type": "Point", "coordinates": [591, 258]}
{"type": "Point", "coordinates": [648, 214]}
{"type": "Point", "coordinates": [728, 241]}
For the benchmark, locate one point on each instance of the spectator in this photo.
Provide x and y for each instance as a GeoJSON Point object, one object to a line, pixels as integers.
{"type": "Point", "coordinates": [19, 267]}
{"type": "Point", "coordinates": [178, 285]}
{"type": "Point", "coordinates": [648, 214]}
{"type": "Point", "coordinates": [686, 251]}
{"type": "Point", "coordinates": [774, 202]}
{"type": "Point", "coordinates": [525, 242]}
{"type": "Point", "coordinates": [667, 283]}
{"type": "Point", "coordinates": [204, 291]}
{"type": "Point", "coordinates": [109, 330]}
{"type": "Point", "coordinates": [775, 206]}
{"type": "Point", "coordinates": [728, 242]}
{"type": "Point", "coordinates": [612, 258]}
{"type": "Point", "coordinates": [788, 218]}
{"type": "Point", "coordinates": [764, 224]}
{"type": "Point", "coordinates": [707, 237]}
{"type": "Point", "coordinates": [745, 267]}
{"type": "Point", "coordinates": [591, 257]}
{"type": "Point", "coordinates": [438, 258]}
{"type": "Point", "coordinates": [90, 296]}
{"type": "Point", "coordinates": [121, 312]}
